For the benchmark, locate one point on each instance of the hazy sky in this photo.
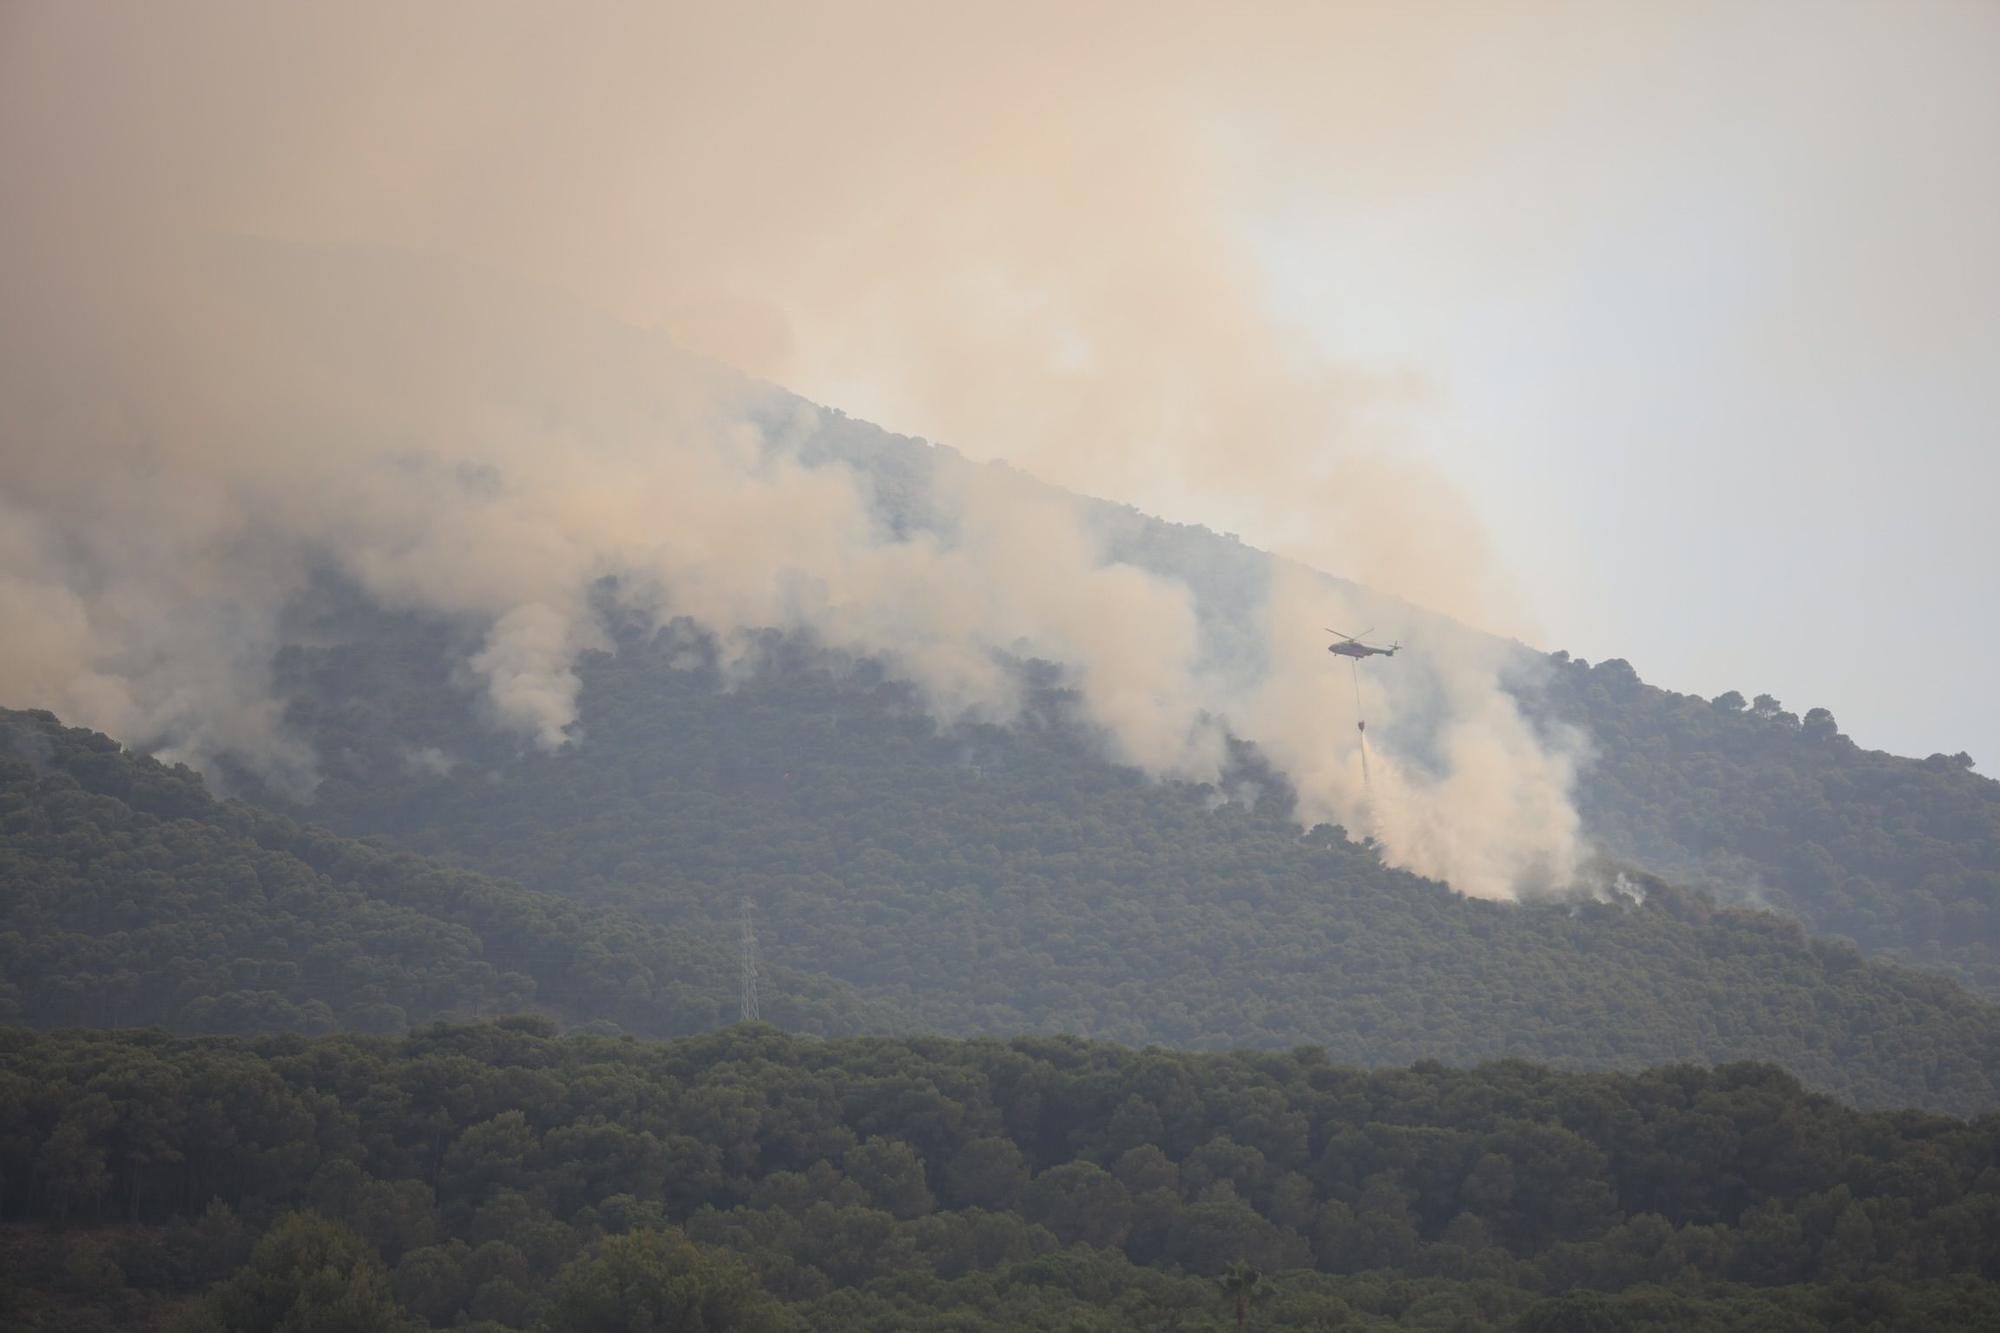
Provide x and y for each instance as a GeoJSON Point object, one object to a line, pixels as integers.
{"type": "Point", "coordinates": [1718, 353]}
{"type": "Point", "coordinates": [1664, 331]}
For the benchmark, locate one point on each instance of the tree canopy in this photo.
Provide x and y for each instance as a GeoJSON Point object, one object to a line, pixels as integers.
{"type": "Point", "coordinates": [752, 1180]}
{"type": "Point", "coordinates": [128, 896]}
{"type": "Point", "coordinates": [984, 880]}
{"type": "Point", "coordinates": [1901, 856]}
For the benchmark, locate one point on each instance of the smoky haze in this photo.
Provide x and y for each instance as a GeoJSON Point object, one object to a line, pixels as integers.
{"type": "Point", "coordinates": [225, 371]}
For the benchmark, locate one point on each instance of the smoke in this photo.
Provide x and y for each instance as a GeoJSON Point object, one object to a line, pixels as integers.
{"type": "Point", "coordinates": [1459, 786]}
{"type": "Point", "coordinates": [1018, 229]}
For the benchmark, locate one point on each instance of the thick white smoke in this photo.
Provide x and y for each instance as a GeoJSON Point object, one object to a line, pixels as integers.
{"type": "Point", "coordinates": [1017, 224]}
{"type": "Point", "coordinates": [455, 443]}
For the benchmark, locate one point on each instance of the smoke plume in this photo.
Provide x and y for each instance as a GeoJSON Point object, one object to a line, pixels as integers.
{"type": "Point", "coordinates": [1018, 230]}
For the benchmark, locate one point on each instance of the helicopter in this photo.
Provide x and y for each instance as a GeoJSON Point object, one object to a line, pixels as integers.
{"type": "Point", "coordinates": [1351, 645]}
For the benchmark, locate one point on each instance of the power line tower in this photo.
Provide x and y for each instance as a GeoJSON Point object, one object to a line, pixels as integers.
{"type": "Point", "coordinates": [747, 947]}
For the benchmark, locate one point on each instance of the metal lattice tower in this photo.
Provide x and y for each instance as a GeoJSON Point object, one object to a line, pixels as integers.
{"type": "Point", "coordinates": [747, 947]}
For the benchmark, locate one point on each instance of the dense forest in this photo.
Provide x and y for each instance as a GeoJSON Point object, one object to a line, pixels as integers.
{"type": "Point", "coordinates": [316, 1150]}
{"type": "Point", "coordinates": [987, 881]}
{"type": "Point", "coordinates": [756, 997]}
{"type": "Point", "coordinates": [130, 897]}
{"type": "Point", "coordinates": [508, 1176]}
{"type": "Point", "coordinates": [1902, 856]}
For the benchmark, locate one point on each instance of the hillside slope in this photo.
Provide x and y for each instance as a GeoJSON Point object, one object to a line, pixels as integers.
{"type": "Point", "coordinates": [1902, 856]}
{"type": "Point", "coordinates": [1899, 855]}
{"type": "Point", "coordinates": [973, 880]}
{"type": "Point", "coordinates": [130, 897]}
{"type": "Point", "coordinates": [981, 880]}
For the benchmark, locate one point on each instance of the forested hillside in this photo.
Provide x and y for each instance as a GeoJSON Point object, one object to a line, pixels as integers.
{"type": "Point", "coordinates": [129, 897]}
{"type": "Point", "coordinates": [503, 1174]}
{"type": "Point", "coordinates": [980, 880]}
{"type": "Point", "coordinates": [1900, 855]}
{"type": "Point", "coordinates": [514, 821]}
